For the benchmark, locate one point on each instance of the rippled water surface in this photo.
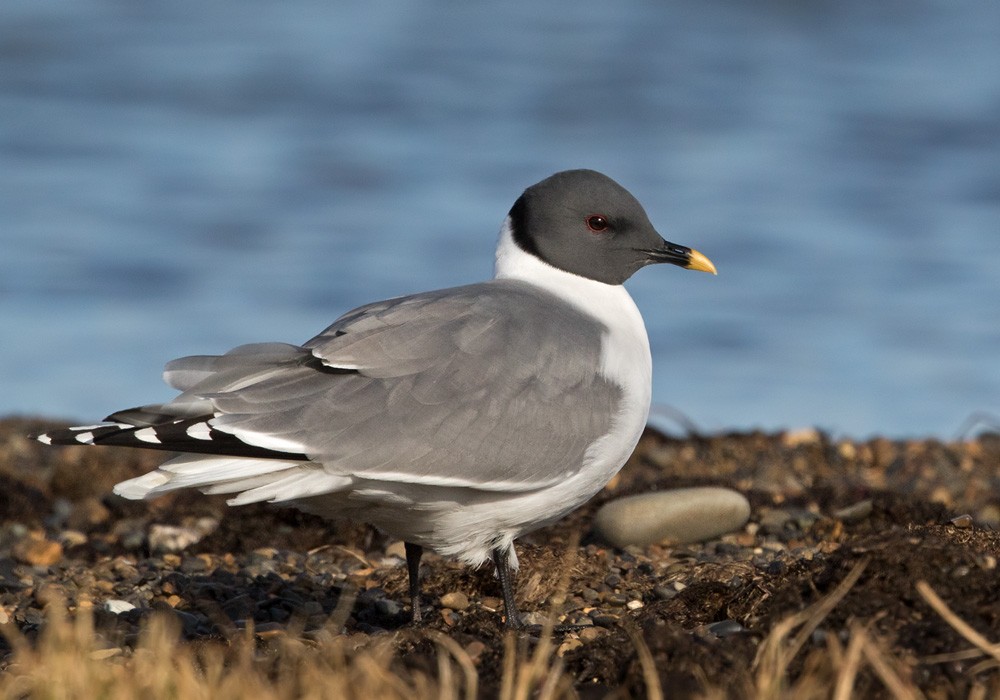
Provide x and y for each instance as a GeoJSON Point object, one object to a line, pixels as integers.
{"type": "Point", "coordinates": [182, 177]}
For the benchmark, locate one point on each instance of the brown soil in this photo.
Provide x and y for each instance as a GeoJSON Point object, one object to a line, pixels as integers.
{"type": "Point", "coordinates": [821, 508]}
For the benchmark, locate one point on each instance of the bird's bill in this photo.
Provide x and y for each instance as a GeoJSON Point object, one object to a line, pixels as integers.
{"type": "Point", "coordinates": [697, 261]}
{"type": "Point", "coordinates": [682, 256]}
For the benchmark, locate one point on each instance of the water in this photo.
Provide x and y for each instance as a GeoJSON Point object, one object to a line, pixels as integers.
{"type": "Point", "coordinates": [182, 177]}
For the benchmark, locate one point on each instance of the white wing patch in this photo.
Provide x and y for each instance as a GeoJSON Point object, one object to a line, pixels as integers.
{"type": "Point", "coordinates": [199, 431]}
{"type": "Point", "coordinates": [147, 435]}
{"type": "Point", "coordinates": [269, 442]}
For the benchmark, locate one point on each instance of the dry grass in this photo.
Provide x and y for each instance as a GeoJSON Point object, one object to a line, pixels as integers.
{"type": "Point", "coordinates": [833, 672]}
{"type": "Point", "coordinates": [68, 662]}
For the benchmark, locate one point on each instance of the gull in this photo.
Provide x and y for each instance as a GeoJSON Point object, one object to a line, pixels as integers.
{"type": "Point", "coordinates": [455, 420]}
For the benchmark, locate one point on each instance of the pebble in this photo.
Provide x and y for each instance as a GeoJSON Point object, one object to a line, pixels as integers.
{"type": "Point", "coordinates": [386, 607]}
{"type": "Point", "coordinates": [475, 650]}
{"type": "Point", "coordinates": [680, 515]}
{"type": "Point", "coordinates": [118, 606]}
{"type": "Point", "coordinates": [726, 628]}
{"type": "Point", "coordinates": [604, 620]}
{"type": "Point", "coordinates": [568, 646]}
{"type": "Point", "coordinates": [72, 538]}
{"type": "Point", "coordinates": [396, 549]}
{"type": "Point", "coordinates": [773, 521]}
{"type": "Point", "coordinates": [664, 592]}
{"type": "Point", "coordinates": [962, 521]}
{"type": "Point", "coordinates": [37, 551]}
{"type": "Point", "coordinates": [801, 436]}
{"type": "Point", "coordinates": [174, 538]}
{"type": "Point", "coordinates": [456, 600]}
{"type": "Point", "coordinates": [854, 512]}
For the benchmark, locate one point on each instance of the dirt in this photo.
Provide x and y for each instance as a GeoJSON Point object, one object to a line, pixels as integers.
{"type": "Point", "coordinates": [907, 511]}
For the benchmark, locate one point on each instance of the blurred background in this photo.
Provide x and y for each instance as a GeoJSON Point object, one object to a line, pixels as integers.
{"type": "Point", "coordinates": [182, 177]}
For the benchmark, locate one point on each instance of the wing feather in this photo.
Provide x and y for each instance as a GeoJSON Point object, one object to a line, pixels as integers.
{"type": "Point", "coordinates": [491, 386]}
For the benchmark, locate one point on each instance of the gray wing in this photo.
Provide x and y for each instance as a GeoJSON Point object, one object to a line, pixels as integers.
{"type": "Point", "coordinates": [491, 386]}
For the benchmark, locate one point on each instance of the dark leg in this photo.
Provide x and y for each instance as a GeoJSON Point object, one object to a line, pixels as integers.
{"type": "Point", "coordinates": [506, 577]}
{"type": "Point", "coordinates": [413, 554]}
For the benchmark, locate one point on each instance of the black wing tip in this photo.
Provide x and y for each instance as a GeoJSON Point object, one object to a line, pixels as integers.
{"type": "Point", "coordinates": [78, 435]}
{"type": "Point", "coordinates": [172, 437]}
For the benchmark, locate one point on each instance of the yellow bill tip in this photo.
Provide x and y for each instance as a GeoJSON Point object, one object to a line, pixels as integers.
{"type": "Point", "coordinates": [700, 262]}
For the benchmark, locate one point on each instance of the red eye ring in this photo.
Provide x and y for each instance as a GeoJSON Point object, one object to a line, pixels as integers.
{"type": "Point", "coordinates": [598, 223]}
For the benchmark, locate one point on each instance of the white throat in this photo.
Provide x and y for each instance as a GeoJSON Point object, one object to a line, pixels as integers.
{"type": "Point", "coordinates": [512, 262]}
{"type": "Point", "coordinates": [625, 352]}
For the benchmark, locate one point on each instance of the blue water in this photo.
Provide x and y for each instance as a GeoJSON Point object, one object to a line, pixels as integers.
{"type": "Point", "coordinates": [181, 177]}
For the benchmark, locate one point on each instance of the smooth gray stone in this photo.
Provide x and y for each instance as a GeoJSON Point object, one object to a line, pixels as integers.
{"type": "Point", "coordinates": [679, 515]}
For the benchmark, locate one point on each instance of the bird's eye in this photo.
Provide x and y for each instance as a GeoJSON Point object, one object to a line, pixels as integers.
{"type": "Point", "coordinates": [597, 223]}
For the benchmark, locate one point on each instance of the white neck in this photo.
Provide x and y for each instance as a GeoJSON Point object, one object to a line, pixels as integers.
{"type": "Point", "coordinates": [514, 263]}
{"type": "Point", "coordinates": [626, 357]}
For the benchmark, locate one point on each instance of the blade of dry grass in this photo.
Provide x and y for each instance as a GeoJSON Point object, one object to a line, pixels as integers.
{"type": "Point", "coordinates": [888, 669]}
{"type": "Point", "coordinates": [849, 669]}
{"type": "Point", "coordinates": [777, 652]}
{"type": "Point", "coordinates": [957, 623]}
{"type": "Point", "coordinates": [654, 691]}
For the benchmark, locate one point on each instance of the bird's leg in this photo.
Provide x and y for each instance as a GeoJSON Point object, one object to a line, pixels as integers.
{"type": "Point", "coordinates": [413, 554]}
{"type": "Point", "coordinates": [506, 576]}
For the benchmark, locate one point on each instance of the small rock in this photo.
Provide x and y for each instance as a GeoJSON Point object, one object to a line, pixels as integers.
{"type": "Point", "coordinates": [387, 607]}
{"type": "Point", "coordinates": [193, 565]}
{"type": "Point", "coordinates": [118, 606]}
{"type": "Point", "coordinates": [491, 604]}
{"type": "Point", "coordinates": [456, 600]}
{"type": "Point", "coordinates": [72, 538]}
{"type": "Point", "coordinates": [174, 538]}
{"type": "Point", "coordinates": [664, 592]}
{"type": "Point", "coordinates": [534, 618]}
{"type": "Point", "coordinates": [800, 436]}
{"type": "Point", "coordinates": [590, 634]}
{"type": "Point", "coordinates": [475, 650]}
{"type": "Point", "coordinates": [37, 551]}
{"type": "Point", "coordinates": [847, 450]}
{"type": "Point", "coordinates": [396, 549]}
{"type": "Point", "coordinates": [605, 620]}
{"type": "Point", "coordinates": [726, 628]}
{"type": "Point", "coordinates": [773, 521]}
{"type": "Point", "coordinates": [962, 521]}
{"type": "Point", "coordinates": [855, 512]}
{"type": "Point", "coordinates": [450, 617]}
{"type": "Point", "coordinates": [567, 646]}
{"type": "Point", "coordinates": [679, 515]}
{"type": "Point", "coordinates": [634, 604]}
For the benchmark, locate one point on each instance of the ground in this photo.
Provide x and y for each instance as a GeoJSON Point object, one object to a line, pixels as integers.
{"type": "Point", "coordinates": [847, 535]}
